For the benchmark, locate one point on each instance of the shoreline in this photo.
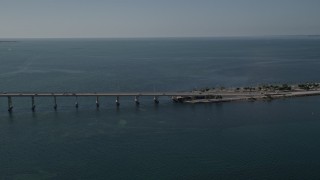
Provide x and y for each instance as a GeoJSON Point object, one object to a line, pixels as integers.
{"type": "Point", "coordinates": [250, 94]}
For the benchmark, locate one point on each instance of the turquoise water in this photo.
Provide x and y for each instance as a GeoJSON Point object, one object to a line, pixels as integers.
{"type": "Point", "coordinates": [242, 140]}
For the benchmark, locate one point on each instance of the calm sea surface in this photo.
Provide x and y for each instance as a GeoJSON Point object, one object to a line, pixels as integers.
{"type": "Point", "coordinates": [241, 140]}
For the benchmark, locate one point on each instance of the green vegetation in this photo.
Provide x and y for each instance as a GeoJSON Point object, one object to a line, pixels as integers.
{"type": "Point", "coordinates": [249, 88]}
{"type": "Point", "coordinates": [283, 87]}
{"type": "Point", "coordinates": [204, 89]}
{"type": "Point", "coordinates": [308, 86]}
{"type": "Point", "coordinates": [266, 87]}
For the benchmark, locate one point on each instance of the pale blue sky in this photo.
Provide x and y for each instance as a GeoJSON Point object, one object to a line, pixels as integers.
{"type": "Point", "coordinates": [157, 18]}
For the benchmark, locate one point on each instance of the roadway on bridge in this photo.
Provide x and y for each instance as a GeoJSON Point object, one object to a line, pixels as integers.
{"type": "Point", "coordinates": [47, 94]}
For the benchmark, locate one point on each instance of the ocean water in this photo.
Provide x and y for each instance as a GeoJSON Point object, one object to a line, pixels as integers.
{"type": "Point", "coordinates": [240, 140]}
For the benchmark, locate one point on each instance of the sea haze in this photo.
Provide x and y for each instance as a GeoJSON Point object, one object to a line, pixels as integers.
{"type": "Point", "coordinates": [242, 140]}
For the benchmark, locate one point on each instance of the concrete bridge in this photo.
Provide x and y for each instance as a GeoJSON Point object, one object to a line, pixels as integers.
{"type": "Point", "coordinates": [117, 96]}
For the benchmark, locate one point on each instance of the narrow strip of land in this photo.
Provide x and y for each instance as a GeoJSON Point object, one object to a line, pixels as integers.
{"type": "Point", "coordinates": [264, 92]}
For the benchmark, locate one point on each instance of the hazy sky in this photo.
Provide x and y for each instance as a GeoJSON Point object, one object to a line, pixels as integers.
{"type": "Point", "coordinates": [157, 18]}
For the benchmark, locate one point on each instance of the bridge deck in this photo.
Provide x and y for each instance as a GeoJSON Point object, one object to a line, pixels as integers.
{"type": "Point", "coordinates": [47, 94]}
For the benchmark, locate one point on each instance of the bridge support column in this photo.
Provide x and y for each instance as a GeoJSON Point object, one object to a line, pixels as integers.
{"type": "Point", "coordinates": [118, 101]}
{"type": "Point", "coordinates": [76, 103]}
{"type": "Point", "coordinates": [97, 102]}
{"type": "Point", "coordinates": [156, 100]}
{"type": "Point", "coordinates": [55, 106]}
{"type": "Point", "coordinates": [33, 105]}
{"type": "Point", "coordinates": [136, 100]}
{"type": "Point", "coordinates": [10, 106]}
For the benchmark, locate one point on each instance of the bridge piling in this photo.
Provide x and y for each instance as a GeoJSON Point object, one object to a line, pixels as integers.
{"type": "Point", "coordinates": [97, 102]}
{"type": "Point", "coordinates": [10, 106]}
{"type": "Point", "coordinates": [156, 100]}
{"type": "Point", "coordinates": [76, 103]}
{"type": "Point", "coordinates": [55, 106]}
{"type": "Point", "coordinates": [117, 101]}
{"type": "Point", "coordinates": [136, 100]}
{"type": "Point", "coordinates": [33, 105]}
